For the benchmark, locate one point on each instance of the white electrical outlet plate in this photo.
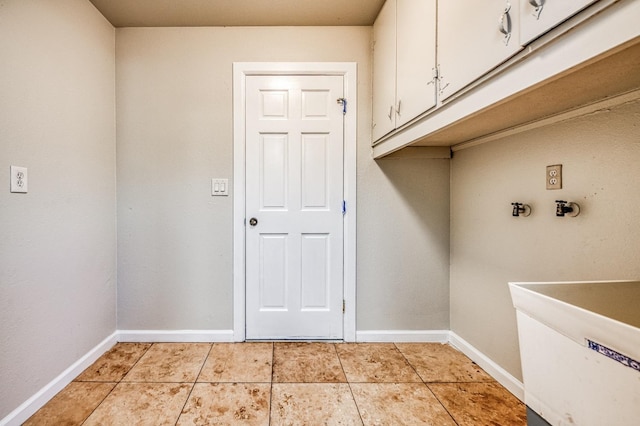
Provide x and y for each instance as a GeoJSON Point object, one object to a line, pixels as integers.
{"type": "Point", "coordinates": [554, 176]}
{"type": "Point", "coordinates": [19, 179]}
{"type": "Point", "coordinates": [219, 187]}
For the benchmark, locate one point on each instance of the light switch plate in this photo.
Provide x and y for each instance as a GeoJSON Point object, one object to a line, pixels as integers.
{"type": "Point", "coordinates": [554, 176]}
{"type": "Point", "coordinates": [219, 187]}
{"type": "Point", "coordinates": [19, 183]}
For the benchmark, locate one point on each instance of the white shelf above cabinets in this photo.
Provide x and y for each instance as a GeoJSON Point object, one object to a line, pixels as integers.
{"type": "Point", "coordinates": [404, 57]}
{"type": "Point", "coordinates": [590, 57]}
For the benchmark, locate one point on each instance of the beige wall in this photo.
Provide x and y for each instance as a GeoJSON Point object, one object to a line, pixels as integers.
{"type": "Point", "coordinates": [57, 242]}
{"type": "Point", "coordinates": [174, 114]}
{"type": "Point", "coordinates": [600, 154]}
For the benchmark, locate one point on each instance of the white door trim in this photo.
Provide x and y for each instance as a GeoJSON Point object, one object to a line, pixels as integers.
{"type": "Point", "coordinates": [240, 71]}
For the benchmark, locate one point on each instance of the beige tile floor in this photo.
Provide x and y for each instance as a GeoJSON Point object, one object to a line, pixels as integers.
{"type": "Point", "coordinates": [282, 384]}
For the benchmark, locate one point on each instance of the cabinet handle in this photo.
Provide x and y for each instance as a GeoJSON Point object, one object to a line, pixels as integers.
{"type": "Point", "coordinates": [504, 24]}
{"type": "Point", "coordinates": [442, 89]}
{"type": "Point", "coordinates": [390, 112]}
{"type": "Point", "coordinates": [438, 80]}
{"type": "Point", "coordinates": [399, 105]}
{"type": "Point", "coordinates": [539, 5]}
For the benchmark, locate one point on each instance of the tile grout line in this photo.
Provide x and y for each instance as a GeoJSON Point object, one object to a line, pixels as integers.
{"type": "Point", "coordinates": [426, 364]}
{"type": "Point", "coordinates": [408, 363]}
{"type": "Point", "coordinates": [100, 403]}
{"type": "Point", "coordinates": [453, 419]}
{"type": "Point", "coordinates": [116, 383]}
{"type": "Point", "coordinates": [193, 385]}
{"type": "Point", "coordinates": [440, 402]}
{"type": "Point", "coordinates": [335, 348]}
{"type": "Point", "coordinates": [273, 362]}
{"type": "Point", "coordinates": [203, 364]}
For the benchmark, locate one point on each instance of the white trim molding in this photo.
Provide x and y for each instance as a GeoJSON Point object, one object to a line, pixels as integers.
{"type": "Point", "coordinates": [404, 336]}
{"type": "Point", "coordinates": [40, 398]}
{"type": "Point", "coordinates": [501, 375]}
{"type": "Point", "coordinates": [240, 71]}
{"type": "Point", "coordinates": [176, 336]}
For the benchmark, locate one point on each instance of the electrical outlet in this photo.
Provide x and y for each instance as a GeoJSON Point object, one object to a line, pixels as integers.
{"type": "Point", "coordinates": [19, 179]}
{"type": "Point", "coordinates": [554, 176]}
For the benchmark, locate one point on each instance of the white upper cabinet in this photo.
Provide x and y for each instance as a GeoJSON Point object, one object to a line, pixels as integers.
{"type": "Point", "coordinates": [403, 63]}
{"type": "Point", "coordinates": [416, 58]}
{"type": "Point", "coordinates": [473, 38]}
{"type": "Point", "coordinates": [500, 65]}
{"type": "Point", "coordinates": [384, 71]}
{"type": "Point", "coordinates": [539, 16]}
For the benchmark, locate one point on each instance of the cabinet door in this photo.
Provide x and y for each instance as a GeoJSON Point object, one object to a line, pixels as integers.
{"type": "Point", "coordinates": [416, 57]}
{"type": "Point", "coordinates": [470, 42]}
{"type": "Point", "coordinates": [539, 16]}
{"type": "Point", "coordinates": [384, 71]}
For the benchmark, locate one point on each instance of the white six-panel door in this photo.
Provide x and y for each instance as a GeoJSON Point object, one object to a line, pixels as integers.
{"type": "Point", "coordinates": [294, 194]}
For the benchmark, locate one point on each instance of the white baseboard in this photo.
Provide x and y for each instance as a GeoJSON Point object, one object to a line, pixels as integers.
{"type": "Point", "coordinates": [40, 398]}
{"type": "Point", "coordinates": [501, 375]}
{"type": "Point", "coordinates": [175, 336]}
{"type": "Point", "coordinates": [397, 336]}
{"type": "Point", "coordinates": [33, 404]}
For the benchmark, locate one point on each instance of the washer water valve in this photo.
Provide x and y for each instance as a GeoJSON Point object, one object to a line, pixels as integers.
{"type": "Point", "coordinates": [520, 209]}
{"type": "Point", "coordinates": [565, 208]}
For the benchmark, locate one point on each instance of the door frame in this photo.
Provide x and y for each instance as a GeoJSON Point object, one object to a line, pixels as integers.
{"type": "Point", "coordinates": [241, 70]}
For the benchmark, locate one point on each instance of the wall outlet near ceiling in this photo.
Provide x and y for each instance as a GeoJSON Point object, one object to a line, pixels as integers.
{"type": "Point", "coordinates": [19, 179]}
{"type": "Point", "coordinates": [554, 176]}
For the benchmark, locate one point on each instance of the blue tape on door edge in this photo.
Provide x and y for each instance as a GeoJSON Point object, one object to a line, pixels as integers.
{"type": "Point", "coordinates": [616, 356]}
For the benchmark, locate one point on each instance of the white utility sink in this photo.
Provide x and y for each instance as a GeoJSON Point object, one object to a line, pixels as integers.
{"type": "Point", "coordinates": [580, 350]}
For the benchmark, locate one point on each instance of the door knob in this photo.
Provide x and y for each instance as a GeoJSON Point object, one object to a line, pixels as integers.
{"type": "Point", "coordinates": [253, 221]}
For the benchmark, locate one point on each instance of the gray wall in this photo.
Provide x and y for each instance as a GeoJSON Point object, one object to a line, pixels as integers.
{"type": "Point", "coordinates": [174, 133]}
{"type": "Point", "coordinates": [403, 244]}
{"type": "Point", "coordinates": [174, 113]}
{"type": "Point", "coordinates": [57, 242]}
{"type": "Point", "coordinates": [600, 154]}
